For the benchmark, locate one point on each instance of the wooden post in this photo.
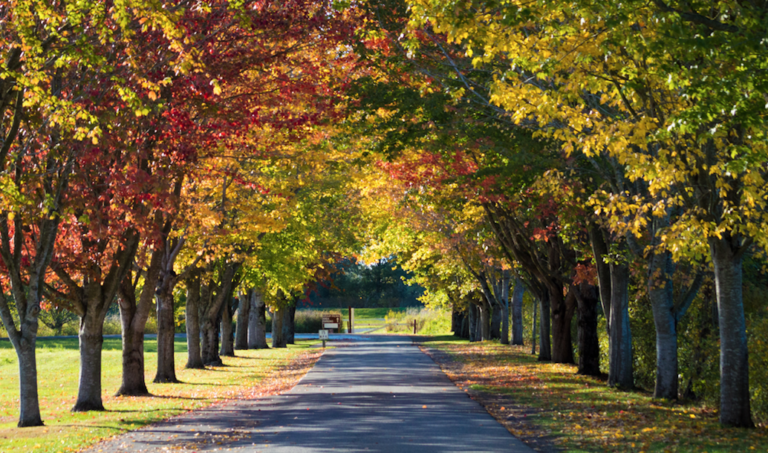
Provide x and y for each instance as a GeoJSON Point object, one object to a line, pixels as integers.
{"type": "Point", "coordinates": [414, 327]}
{"type": "Point", "coordinates": [351, 327]}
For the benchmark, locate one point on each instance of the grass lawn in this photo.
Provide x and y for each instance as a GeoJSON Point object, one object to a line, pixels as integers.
{"type": "Point", "coordinates": [579, 413]}
{"type": "Point", "coordinates": [251, 374]}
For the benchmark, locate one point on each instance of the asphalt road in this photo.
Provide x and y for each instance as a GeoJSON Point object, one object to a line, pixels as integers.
{"type": "Point", "coordinates": [380, 395]}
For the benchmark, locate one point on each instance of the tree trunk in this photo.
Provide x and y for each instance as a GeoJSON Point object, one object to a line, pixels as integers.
{"type": "Point", "coordinates": [600, 250]}
{"type": "Point", "coordinates": [278, 334]}
{"type": "Point", "coordinates": [289, 325]}
{"type": "Point", "coordinates": [496, 318]}
{"type": "Point", "coordinates": [89, 385]}
{"type": "Point", "coordinates": [473, 322]}
{"type": "Point", "coordinates": [133, 383]}
{"type": "Point", "coordinates": [212, 311]}
{"type": "Point", "coordinates": [533, 329]}
{"type": "Point", "coordinates": [210, 350]}
{"type": "Point", "coordinates": [455, 320]}
{"type": "Point", "coordinates": [545, 348]}
{"type": "Point", "coordinates": [517, 312]}
{"type": "Point", "coordinates": [589, 343]}
{"type": "Point", "coordinates": [133, 319]}
{"type": "Point", "coordinates": [257, 322]}
{"type": "Point", "coordinates": [29, 404]}
{"type": "Point", "coordinates": [243, 312]}
{"type": "Point", "coordinates": [485, 321]}
{"type": "Point", "coordinates": [227, 337]}
{"type": "Point", "coordinates": [166, 365]}
{"type": "Point", "coordinates": [620, 338]}
{"type": "Point", "coordinates": [562, 313]}
{"type": "Point", "coordinates": [660, 293]}
{"type": "Point", "coordinates": [505, 307]}
{"type": "Point", "coordinates": [194, 356]}
{"type": "Point", "coordinates": [734, 363]}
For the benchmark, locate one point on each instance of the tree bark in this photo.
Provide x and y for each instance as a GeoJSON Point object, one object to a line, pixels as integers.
{"type": "Point", "coordinates": [545, 345]}
{"type": "Point", "coordinates": [496, 318]}
{"type": "Point", "coordinates": [93, 299]}
{"type": "Point", "coordinates": [620, 339]}
{"type": "Point", "coordinates": [243, 313]}
{"type": "Point", "coordinates": [660, 293]}
{"type": "Point", "coordinates": [289, 325]}
{"type": "Point", "coordinates": [734, 359]}
{"type": "Point", "coordinates": [562, 314]}
{"type": "Point", "coordinates": [485, 321]}
{"type": "Point", "coordinates": [227, 336]}
{"type": "Point", "coordinates": [29, 404]}
{"type": "Point", "coordinates": [194, 356]}
{"type": "Point", "coordinates": [257, 322]}
{"type": "Point", "coordinates": [89, 388]}
{"type": "Point", "coordinates": [600, 251]}
{"type": "Point", "coordinates": [212, 311]}
{"type": "Point", "coordinates": [133, 319]}
{"type": "Point", "coordinates": [589, 343]}
{"type": "Point", "coordinates": [504, 299]}
{"type": "Point", "coordinates": [278, 334]}
{"type": "Point", "coordinates": [517, 312]}
{"type": "Point", "coordinates": [166, 360]}
{"type": "Point", "coordinates": [533, 329]}
{"type": "Point", "coordinates": [210, 350]}
{"type": "Point", "coordinates": [473, 322]}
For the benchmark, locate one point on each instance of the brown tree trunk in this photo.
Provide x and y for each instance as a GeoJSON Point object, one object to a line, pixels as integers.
{"type": "Point", "coordinates": [734, 360]}
{"type": "Point", "coordinates": [485, 321]}
{"type": "Point", "coordinates": [289, 325]}
{"type": "Point", "coordinates": [166, 335]}
{"type": "Point", "coordinates": [227, 336]}
{"type": "Point", "coordinates": [194, 356]}
{"type": "Point", "coordinates": [661, 295]}
{"type": "Point", "coordinates": [133, 319]}
{"type": "Point", "coordinates": [589, 343]}
{"type": "Point", "coordinates": [243, 313]}
{"type": "Point", "coordinates": [620, 339]}
{"type": "Point", "coordinates": [533, 329]}
{"type": "Point", "coordinates": [257, 322]}
{"type": "Point", "coordinates": [278, 334]}
{"type": "Point", "coordinates": [474, 316]}
{"type": "Point", "coordinates": [211, 318]}
{"type": "Point", "coordinates": [89, 386]}
{"type": "Point", "coordinates": [210, 349]}
{"type": "Point", "coordinates": [496, 317]}
{"type": "Point", "coordinates": [504, 300]}
{"type": "Point", "coordinates": [562, 313]}
{"type": "Point", "coordinates": [545, 345]}
{"type": "Point", "coordinates": [517, 312]}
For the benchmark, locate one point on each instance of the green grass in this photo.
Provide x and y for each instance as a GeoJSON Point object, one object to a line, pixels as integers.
{"type": "Point", "coordinates": [58, 362]}
{"type": "Point", "coordinates": [361, 313]}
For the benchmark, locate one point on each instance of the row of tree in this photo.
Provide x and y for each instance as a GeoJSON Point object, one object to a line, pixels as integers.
{"type": "Point", "coordinates": [599, 152]}
{"type": "Point", "coordinates": [148, 146]}
{"type": "Point", "coordinates": [576, 149]}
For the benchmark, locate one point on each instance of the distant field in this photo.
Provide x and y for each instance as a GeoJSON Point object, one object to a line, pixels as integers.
{"type": "Point", "coordinates": [362, 313]}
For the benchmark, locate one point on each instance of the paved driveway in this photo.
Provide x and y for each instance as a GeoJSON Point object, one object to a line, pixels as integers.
{"type": "Point", "coordinates": [381, 395]}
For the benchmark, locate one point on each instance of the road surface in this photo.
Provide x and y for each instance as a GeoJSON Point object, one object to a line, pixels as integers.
{"type": "Point", "coordinates": [379, 395]}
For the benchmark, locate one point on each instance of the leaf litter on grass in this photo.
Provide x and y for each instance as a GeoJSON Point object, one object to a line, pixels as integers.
{"type": "Point", "coordinates": [550, 407]}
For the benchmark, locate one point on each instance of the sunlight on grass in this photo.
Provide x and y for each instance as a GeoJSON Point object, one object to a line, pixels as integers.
{"type": "Point", "coordinates": [65, 431]}
{"type": "Point", "coordinates": [584, 414]}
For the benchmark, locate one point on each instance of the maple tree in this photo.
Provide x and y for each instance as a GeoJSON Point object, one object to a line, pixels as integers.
{"type": "Point", "coordinates": [612, 79]}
